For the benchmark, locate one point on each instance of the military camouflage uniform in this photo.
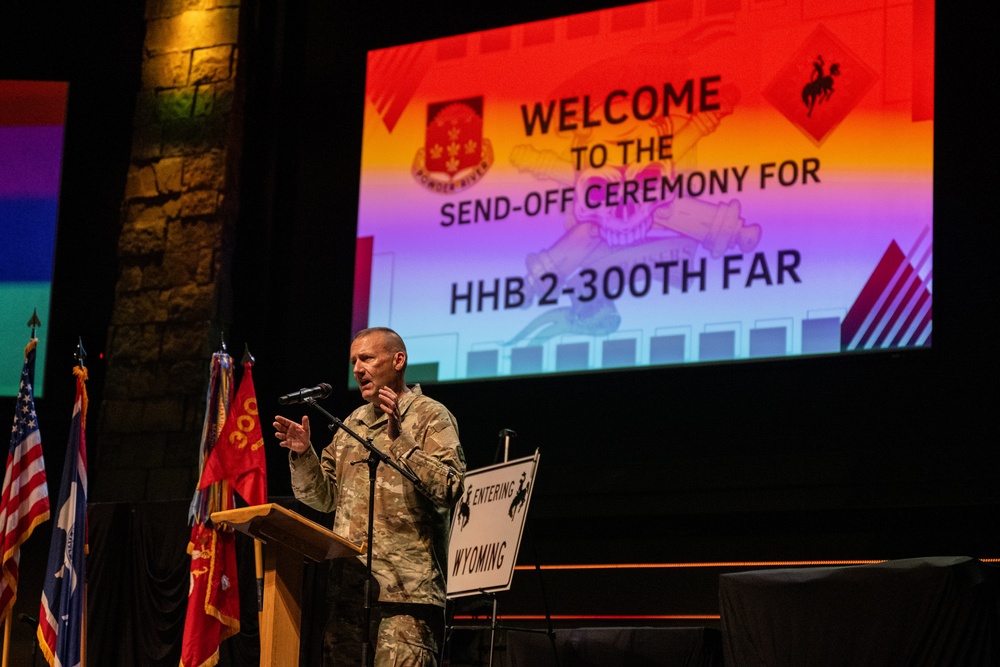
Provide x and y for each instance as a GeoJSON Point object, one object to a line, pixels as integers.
{"type": "Point", "coordinates": [410, 543]}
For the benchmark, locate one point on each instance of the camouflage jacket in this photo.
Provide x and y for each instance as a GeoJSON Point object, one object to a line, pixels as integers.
{"type": "Point", "coordinates": [412, 524]}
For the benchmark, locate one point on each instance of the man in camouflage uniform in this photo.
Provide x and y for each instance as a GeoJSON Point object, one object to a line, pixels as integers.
{"type": "Point", "coordinates": [410, 541]}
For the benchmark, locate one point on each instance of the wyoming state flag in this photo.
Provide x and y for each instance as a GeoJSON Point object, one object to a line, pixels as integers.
{"type": "Point", "coordinates": [61, 617]}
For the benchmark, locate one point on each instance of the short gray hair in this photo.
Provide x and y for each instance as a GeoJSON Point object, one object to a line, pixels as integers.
{"type": "Point", "coordinates": [393, 341]}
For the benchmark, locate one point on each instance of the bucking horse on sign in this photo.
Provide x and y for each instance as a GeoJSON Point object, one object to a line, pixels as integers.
{"type": "Point", "coordinates": [520, 498]}
{"type": "Point", "coordinates": [820, 88]}
{"type": "Point", "coordinates": [463, 509]}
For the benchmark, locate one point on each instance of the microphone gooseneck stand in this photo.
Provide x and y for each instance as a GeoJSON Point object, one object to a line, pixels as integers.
{"type": "Point", "coordinates": [375, 456]}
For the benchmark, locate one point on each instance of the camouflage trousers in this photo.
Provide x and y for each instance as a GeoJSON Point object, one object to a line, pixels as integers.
{"type": "Point", "coordinates": [403, 635]}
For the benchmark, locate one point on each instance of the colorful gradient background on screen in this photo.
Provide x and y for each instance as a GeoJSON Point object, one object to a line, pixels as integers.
{"type": "Point", "coordinates": [32, 116]}
{"type": "Point", "coordinates": [868, 142]}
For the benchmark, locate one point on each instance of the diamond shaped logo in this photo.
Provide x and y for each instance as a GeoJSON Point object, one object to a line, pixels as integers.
{"type": "Point", "coordinates": [820, 85]}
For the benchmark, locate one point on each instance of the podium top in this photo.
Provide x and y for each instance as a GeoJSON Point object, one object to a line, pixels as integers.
{"type": "Point", "coordinates": [274, 523]}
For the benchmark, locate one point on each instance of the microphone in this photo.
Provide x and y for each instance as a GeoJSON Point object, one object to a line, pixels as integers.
{"type": "Point", "coordinates": [322, 390]}
{"type": "Point", "coordinates": [24, 618]}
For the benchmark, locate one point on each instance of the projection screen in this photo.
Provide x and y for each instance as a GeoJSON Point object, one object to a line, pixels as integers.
{"type": "Point", "coordinates": [651, 185]}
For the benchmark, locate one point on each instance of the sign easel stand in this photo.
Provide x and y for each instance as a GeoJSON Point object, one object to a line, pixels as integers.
{"type": "Point", "coordinates": [523, 495]}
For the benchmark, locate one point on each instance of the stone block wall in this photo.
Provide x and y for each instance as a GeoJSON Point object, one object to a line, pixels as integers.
{"type": "Point", "coordinates": [179, 208]}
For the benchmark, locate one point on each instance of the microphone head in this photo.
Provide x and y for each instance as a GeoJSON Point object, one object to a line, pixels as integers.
{"type": "Point", "coordinates": [322, 390]}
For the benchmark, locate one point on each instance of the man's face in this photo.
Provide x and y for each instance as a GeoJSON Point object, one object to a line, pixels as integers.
{"type": "Point", "coordinates": [375, 366]}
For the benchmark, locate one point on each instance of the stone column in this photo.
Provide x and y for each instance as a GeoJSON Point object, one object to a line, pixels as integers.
{"type": "Point", "coordinates": [178, 208]}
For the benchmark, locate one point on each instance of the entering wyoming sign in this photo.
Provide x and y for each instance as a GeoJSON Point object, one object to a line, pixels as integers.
{"type": "Point", "coordinates": [487, 526]}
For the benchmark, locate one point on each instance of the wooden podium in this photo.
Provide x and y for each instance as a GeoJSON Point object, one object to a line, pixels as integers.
{"type": "Point", "coordinates": [289, 538]}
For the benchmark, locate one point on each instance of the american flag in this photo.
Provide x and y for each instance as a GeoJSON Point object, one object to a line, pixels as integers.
{"type": "Point", "coordinates": [25, 501]}
{"type": "Point", "coordinates": [61, 617]}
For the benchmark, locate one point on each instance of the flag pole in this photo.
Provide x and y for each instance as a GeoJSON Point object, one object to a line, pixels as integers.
{"type": "Point", "coordinates": [81, 356]}
{"type": "Point", "coordinates": [34, 322]}
{"type": "Point", "coordinates": [9, 619]}
{"type": "Point", "coordinates": [6, 633]}
{"type": "Point", "coordinates": [258, 554]}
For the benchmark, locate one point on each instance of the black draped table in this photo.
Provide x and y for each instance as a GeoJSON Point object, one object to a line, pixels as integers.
{"type": "Point", "coordinates": [920, 611]}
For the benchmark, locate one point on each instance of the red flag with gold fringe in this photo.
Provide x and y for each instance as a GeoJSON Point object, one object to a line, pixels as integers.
{"type": "Point", "coordinates": [213, 611]}
{"type": "Point", "coordinates": [238, 456]}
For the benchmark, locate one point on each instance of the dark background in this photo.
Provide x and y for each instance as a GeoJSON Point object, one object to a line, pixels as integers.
{"type": "Point", "coordinates": [864, 455]}
{"type": "Point", "coordinates": [878, 455]}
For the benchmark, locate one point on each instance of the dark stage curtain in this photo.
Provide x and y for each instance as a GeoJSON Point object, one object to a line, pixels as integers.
{"type": "Point", "coordinates": [138, 578]}
{"type": "Point", "coordinates": [914, 612]}
{"type": "Point", "coordinates": [137, 574]}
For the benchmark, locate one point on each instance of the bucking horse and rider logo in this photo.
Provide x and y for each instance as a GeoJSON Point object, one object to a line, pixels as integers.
{"type": "Point", "coordinates": [821, 83]}
{"type": "Point", "coordinates": [820, 86]}
{"type": "Point", "coordinates": [517, 503]}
